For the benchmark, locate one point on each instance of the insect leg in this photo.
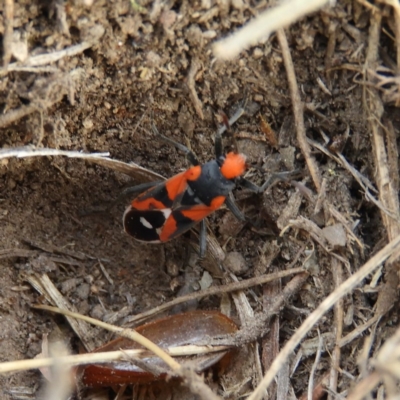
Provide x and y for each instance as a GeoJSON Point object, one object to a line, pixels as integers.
{"type": "Point", "coordinates": [203, 238]}
{"type": "Point", "coordinates": [231, 204]}
{"type": "Point", "coordinates": [278, 176]}
{"type": "Point", "coordinates": [189, 154]}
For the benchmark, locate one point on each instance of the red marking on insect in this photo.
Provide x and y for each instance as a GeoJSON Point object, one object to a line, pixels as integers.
{"type": "Point", "coordinates": [233, 166]}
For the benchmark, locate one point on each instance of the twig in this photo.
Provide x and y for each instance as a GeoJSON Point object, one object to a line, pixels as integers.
{"type": "Point", "coordinates": [346, 287]}
{"type": "Point", "coordinates": [387, 193]}
{"type": "Point", "coordinates": [337, 272]}
{"type": "Point", "coordinates": [37, 70]}
{"type": "Point", "coordinates": [44, 59]}
{"type": "Point", "coordinates": [194, 67]}
{"type": "Point", "coordinates": [394, 3]}
{"type": "Point", "coordinates": [47, 289]}
{"type": "Point", "coordinates": [366, 386]}
{"type": "Point", "coordinates": [397, 32]}
{"type": "Point", "coordinates": [314, 367]}
{"type": "Point", "coordinates": [243, 307]}
{"type": "Point", "coordinates": [105, 273]}
{"type": "Point", "coordinates": [270, 342]}
{"type": "Point", "coordinates": [8, 31]}
{"type": "Point", "coordinates": [357, 331]}
{"type": "Point", "coordinates": [330, 48]}
{"type": "Point", "coordinates": [262, 26]}
{"type": "Point", "coordinates": [15, 115]}
{"type": "Point", "coordinates": [51, 248]}
{"type": "Point", "coordinates": [298, 109]}
{"type": "Point", "coordinates": [393, 154]}
{"type": "Point", "coordinates": [231, 287]}
{"type": "Point", "coordinates": [8, 253]}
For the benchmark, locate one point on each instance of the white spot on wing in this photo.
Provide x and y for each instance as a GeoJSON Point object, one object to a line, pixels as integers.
{"type": "Point", "coordinates": [166, 212]}
{"type": "Point", "coordinates": [145, 223]}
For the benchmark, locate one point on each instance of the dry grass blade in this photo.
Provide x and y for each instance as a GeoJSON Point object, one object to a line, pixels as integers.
{"type": "Point", "coordinates": [263, 25]}
{"type": "Point", "coordinates": [365, 387]}
{"type": "Point", "coordinates": [347, 286]}
{"type": "Point", "coordinates": [103, 357]}
{"type": "Point", "coordinates": [386, 369]}
{"type": "Point", "coordinates": [131, 169]}
{"type": "Point", "coordinates": [270, 343]}
{"type": "Point", "coordinates": [388, 194]}
{"type": "Point", "coordinates": [46, 288]}
{"type": "Point", "coordinates": [298, 110]}
{"type": "Point", "coordinates": [393, 3]}
{"type": "Point", "coordinates": [29, 151]}
{"type": "Point", "coordinates": [337, 271]}
{"type": "Point", "coordinates": [314, 367]}
{"type": "Point", "coordinates": [357, 331]}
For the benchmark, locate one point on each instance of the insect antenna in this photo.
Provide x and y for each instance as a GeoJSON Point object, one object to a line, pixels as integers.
{"type": "Point", "coordinates": [189, 154]}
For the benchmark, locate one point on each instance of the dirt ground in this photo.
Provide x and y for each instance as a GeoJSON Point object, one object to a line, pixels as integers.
{"type": "Point", "coordinates": [152, 61]}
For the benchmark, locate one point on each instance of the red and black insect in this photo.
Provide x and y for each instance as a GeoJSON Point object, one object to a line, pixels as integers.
{"type": "Point", "coordinates": [168, 209]}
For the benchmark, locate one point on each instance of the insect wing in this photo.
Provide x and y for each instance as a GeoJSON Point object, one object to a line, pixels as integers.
{"type": "Point", "coordinates": [165, 195]}
{"type": "Point", "coordinates": [150, 213]}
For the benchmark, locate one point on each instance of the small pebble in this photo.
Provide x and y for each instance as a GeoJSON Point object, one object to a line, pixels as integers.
{"type": "Point", "coordinates": [257, 53]}
{"type": "Point", "coordinates": [97, 312]}
{"type": "Point", "coordinates": [82, 291]}
{"type": "Point", "coordinates": [235, 263]}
